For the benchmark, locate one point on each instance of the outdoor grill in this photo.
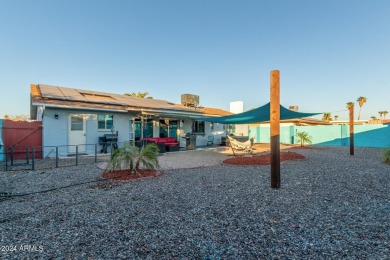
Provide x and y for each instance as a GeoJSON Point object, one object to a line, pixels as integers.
{"type": "Point", "coordinates": [190, 141]}
{"type": "Point", "coordinates": [108, 140]}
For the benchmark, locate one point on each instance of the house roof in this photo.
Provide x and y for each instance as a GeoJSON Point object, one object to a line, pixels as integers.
{"type": "Point", "coordinates": [71, 98]}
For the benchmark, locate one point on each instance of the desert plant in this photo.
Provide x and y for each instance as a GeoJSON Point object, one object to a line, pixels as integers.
{"type": "Point", "coordinates": [386, 155]}
{"type": "Point", "coordinates": [130, 157]}
{"type": "Point", "coordinates": [303, 137]}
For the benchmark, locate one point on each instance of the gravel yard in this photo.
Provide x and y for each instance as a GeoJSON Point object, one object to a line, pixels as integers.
{"type": "Point", "coordinates": [330, 205]}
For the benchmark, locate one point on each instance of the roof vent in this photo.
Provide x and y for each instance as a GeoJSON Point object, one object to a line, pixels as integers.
{"type": "Point", "coordinates": [190, 100]}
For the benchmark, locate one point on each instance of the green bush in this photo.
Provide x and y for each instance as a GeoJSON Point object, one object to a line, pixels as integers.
{"type": "Point", "coordinates": [386, 155]}
{"type": "Point", "coordinates": [130, 157]}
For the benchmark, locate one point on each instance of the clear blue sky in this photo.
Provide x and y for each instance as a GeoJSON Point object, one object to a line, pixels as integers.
{"type": "Point", "coordinates": [328, 52]}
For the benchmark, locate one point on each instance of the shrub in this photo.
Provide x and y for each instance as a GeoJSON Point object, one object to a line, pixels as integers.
{"type": "Point", "coordinates": [130, 157]}
{"type": "Point", "coordinates": [386, 155]}
{"type": "Point", "coordinates": [303, 137]}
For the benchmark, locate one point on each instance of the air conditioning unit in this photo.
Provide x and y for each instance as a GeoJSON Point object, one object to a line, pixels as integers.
{"type": "Point", "coordinates": [293, 108]}
{"type": "Point", "coordinates": [190, 100]}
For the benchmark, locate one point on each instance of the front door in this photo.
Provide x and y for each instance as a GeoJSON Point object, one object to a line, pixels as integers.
{"type": "Point", "coordinates": [77, 134]}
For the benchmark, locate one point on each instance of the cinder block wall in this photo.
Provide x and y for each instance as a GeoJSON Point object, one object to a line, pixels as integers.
{"type": "Point", "coordinates": [377, 135]}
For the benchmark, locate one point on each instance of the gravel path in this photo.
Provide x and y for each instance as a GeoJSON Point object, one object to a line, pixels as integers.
{"type": "Point", "coordinates": [330, 206]}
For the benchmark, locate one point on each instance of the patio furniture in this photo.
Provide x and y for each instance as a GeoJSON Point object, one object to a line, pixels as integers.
{"type": "Point", "coordinates": [167, 143]}
{"type": "Point", "coordinates": [210, 140]}
{"type": "Point", "coordinates": [238, 147]}
{"type": "Point", "coordinates": [108, 140]}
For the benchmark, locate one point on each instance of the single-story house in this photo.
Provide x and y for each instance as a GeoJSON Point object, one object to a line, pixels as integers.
{"type": "Point", "coordinates": [79, 117]}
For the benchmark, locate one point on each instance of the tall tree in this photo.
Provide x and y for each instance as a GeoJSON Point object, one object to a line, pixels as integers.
{"type": "Point", "coordinates": [327, 117]}
{"type": "Point", "coordinates": [139, 94]}
{"type": "Point", "coordinates": [380, 114]}
{"type": "Point", "coordinates": [362, 101]}
{"type": "Point", "coordinates": [384, 114]}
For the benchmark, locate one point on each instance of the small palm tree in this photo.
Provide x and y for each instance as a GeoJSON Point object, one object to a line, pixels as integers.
{"type": "Point", "coordinates": [374, 118]}
{"type": "Point", "coordinates": [362, 101]}
{"type": "Point", "coordinates": [130, 157]}
{"type": "Point", "coordinates": [336, 117]}
{"type": "Point", "coordinates": [303, 137]}
{"type": "Point", "coordinates": [327, 117]}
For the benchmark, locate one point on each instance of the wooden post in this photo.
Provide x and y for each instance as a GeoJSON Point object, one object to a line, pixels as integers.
{"type": "Point", "coordinates": [275, 129]}
{"type": "Point", "coordinates": [351, 130]}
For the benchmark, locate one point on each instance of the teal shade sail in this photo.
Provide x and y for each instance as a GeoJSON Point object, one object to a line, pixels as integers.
{"type": "Point", "coordinates": [257, 115]}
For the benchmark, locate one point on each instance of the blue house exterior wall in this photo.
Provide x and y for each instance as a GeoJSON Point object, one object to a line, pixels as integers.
{"type": "Point", "coordinates": [55, 131]}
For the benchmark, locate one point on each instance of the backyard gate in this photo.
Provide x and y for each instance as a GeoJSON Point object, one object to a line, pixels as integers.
{"type": "Point", "coordinates": [20, 137]}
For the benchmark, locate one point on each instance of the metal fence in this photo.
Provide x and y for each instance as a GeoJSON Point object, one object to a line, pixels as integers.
{"type": "Point", "coordinates": [45, 157]}
{"type": "Point", "coordinates": [18, 158]}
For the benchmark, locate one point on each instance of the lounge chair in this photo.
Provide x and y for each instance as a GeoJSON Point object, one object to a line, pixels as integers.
{"type": "Point", "coordinates": [237, 146]}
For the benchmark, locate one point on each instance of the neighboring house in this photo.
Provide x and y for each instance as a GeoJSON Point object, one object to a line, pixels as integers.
{"type": "Point", "coordinates": [75, 117]}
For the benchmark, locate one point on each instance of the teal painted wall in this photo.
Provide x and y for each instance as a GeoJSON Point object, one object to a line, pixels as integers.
{"type": "Point", "coordinates": [1, 141]}
{"type": "Point", "coordinates": [333, 135]}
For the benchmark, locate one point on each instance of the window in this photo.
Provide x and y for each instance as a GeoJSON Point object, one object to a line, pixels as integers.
{"type": "Point", "coordinates": [198, 127]}
{"type": "Point", "coordinates": [76, 123]}
{"type": "Point", "coordinates": [105, 122]}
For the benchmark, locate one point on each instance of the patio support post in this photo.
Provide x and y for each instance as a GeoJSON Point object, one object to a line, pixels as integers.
{"type": "Point", "coordinates": [351, 130]}
{"type": "Point", "coordinates": [275, 128]}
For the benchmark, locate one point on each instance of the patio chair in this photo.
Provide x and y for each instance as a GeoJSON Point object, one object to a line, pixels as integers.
{"type": "Point", "coordinates": [210, 140]}
{"type": "Point", "coordinates": [237, 146]}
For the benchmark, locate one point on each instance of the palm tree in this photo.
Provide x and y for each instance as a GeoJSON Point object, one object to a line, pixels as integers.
{"type": "Point", "coordinates": [139, 94]}
{"type": "Point", "coordinates": [362, 101]}
{"type": "Point", "coordinates": [384, 114]}
{"type": "Point", "coordinates": [350, 104]}
{"type": "Point", "coordinates": [374, 118]}
{"type": "Point", "coordinates": [380, 113]}
{"type": "Point", "coordinates": [303, 137]}
{"type": "Point", "coordinates": [130, 157]}
{"type": "Point", "coordinates": [336, 117]}
{"type": "Point", "coordinates": [327, 117]}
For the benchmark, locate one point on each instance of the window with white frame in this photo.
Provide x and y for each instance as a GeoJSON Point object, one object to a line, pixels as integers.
{"type": "Point", "coordinates": [105, 122]}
